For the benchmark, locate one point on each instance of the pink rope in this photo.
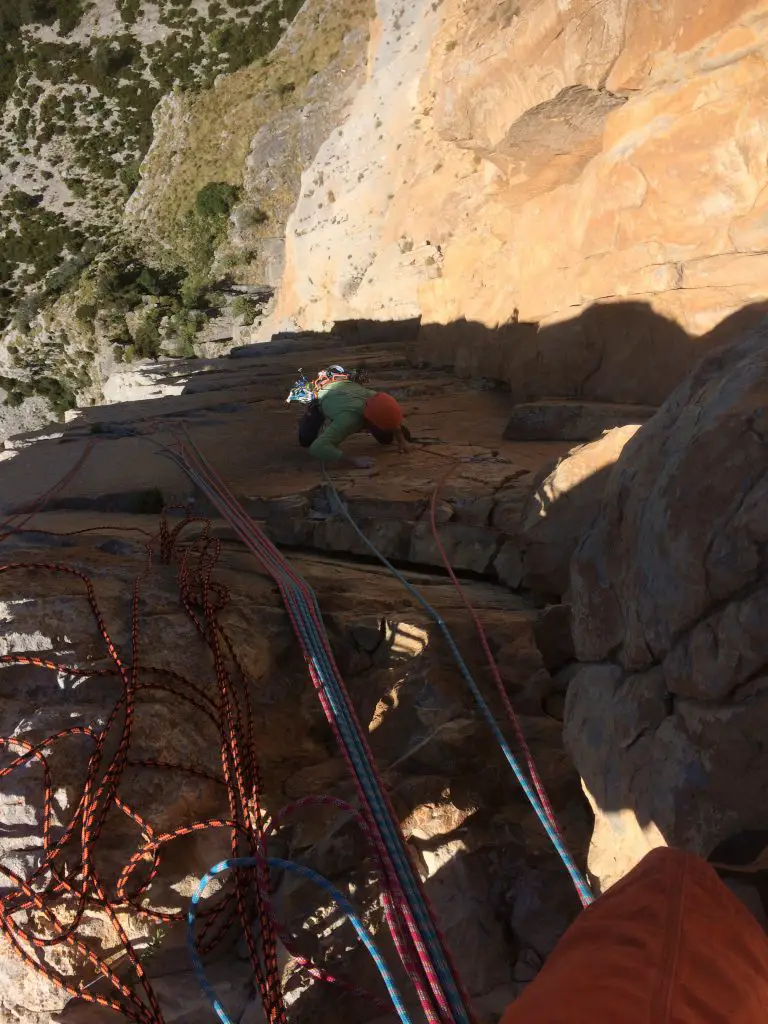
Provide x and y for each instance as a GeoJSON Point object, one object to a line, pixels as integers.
{"type": "Point", "coordinates": [268, 554]}
{"type": "Point", "coordinates": [493, 666]}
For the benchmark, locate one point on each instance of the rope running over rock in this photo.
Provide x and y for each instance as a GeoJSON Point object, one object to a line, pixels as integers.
{"type": "Point", "coordinates": [47, 909]}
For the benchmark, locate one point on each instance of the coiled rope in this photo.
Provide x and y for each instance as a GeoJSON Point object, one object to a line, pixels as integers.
{"type": "Point", "coordinates": [66, 879]}
{"type": "Point", "coordinates": [47, 908]}
{"type": "Point", "coordinates": [344, 905]}
{"type": "Point", "coordinates": [59, 876]}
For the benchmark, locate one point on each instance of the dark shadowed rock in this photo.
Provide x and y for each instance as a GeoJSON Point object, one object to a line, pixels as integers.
{"type": "Point", "coordinates": [669, 596]}
{"type": "Point", "coordinates": [571, 421]}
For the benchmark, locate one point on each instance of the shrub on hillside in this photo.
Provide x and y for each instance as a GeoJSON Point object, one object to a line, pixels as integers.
{"type": "Point", "coordinates": [129, 10]}
{"type": "Point", "coordinates": [246, 308]}
{"type": "Point", "coordinates": [129, 175]}
{"type": "Point", "coordinates": [147, 340]}
{"type": "Point", "coordinates": [216, 199]}
{"type": "Point", "coordinates": [77, 187]}
{"type": "Point", "coordinates": [86, 313]}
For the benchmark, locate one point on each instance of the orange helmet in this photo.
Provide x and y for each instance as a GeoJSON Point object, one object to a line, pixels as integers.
{"type": "Point", "coordinates": [383, 411]}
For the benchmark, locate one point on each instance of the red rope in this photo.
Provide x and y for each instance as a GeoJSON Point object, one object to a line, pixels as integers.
{"type": "Point", "coordinates": [24, 515]}
{"type": "Point", "coordinates": [67, 878]}
{"type": "Point", "coordinates": [68, 871]}
{"type": "Point", "coordinates": [395, 903]}
{"type": "Point", "coordinates": [68, 868]}
{"type": "Point", "coordinates": [492, 664]}
{"type": "Point", "coordinates": [278, 567]}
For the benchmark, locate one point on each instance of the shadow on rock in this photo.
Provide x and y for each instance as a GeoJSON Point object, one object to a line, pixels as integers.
{"type": "Point", "coordinates": [667, 723]}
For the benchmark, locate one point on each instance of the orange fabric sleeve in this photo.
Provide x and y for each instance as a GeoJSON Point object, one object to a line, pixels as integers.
{"type": "Point", "coordinates": [668, 944]}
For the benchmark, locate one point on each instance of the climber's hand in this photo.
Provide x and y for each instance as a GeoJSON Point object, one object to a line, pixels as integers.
{"type": "Point", "coordinates": [403, 447]}
{"type": "Point", "coordinates": [362, 462]}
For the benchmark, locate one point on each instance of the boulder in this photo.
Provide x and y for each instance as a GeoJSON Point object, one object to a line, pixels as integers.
{"type": "Point", "coordinates": [469, 548]}
{"type": "Point", "coordinates": [146, 379]}
{"type": "Point", "coordinates": [511, 502]}
{"type": "Point", "coordinates": [32, 414]}
{"type": "Point", "coordinates": [667, 725]}
{"type": "Point", "coordinates": [563, 506]}
{"type": "Point", "coordinates": [570, 125]}
{"type": "Point", "coordinates": [508, 564]}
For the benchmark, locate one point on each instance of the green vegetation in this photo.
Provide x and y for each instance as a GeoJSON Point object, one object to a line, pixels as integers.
{"type": "Point", "coordinates": [58, 393]}
{"type": "Point", "coordinates": [97, 96]}
{"type": "Point", "coordinates": [202, 230]}
{"type": "Point", "coordinates": [129, 175]}
{"type": "Point", "coordinates": [147, 339]}
{"type": "Point", "coordinates": [81, 112]}
{"type": "Point", "coordinates": [216, 199]}
{"type": "Point", "coordinates": [77, 187]}
{"type": "Point", "coordinates": [122, 282]}
{"type": "Point", "coordinates": [184, 325]}
{"type": "Point", "coordinates": [34, 249]}
{"type": "Point", "coordinates": [14, 17]}
{"type": "Point", "coordinates": [246, 308]}
{"type": "Point", "coordinates": [112, 291]}
{"type": "Point", "coordinates": [86, 313]}
{"type": "Point", "coordinates": [220, 123]}
{"type": "Point", "coordinates": [129, 10]}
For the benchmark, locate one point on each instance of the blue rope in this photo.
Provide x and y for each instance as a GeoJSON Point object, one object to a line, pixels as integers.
{"type": "Point", "coordinates": [578, 879]}
{"type": "Point", "coordinates": [344, 905]}
{"type": "Point", "coordinates": [344, 717]}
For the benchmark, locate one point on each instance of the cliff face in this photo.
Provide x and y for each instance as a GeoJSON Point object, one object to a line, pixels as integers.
{"type": "Point", "coordinates": [80, 85]}
{"type": "Point", "coordinates": [258, 128]}
{"type": "Point", "coordinates": [668, 592]}
{"type": "Point", "coordinates": [526, 160]}
{"type": "Point", "coordinates": [593, 172]}
{"type": "Point", "coordinates": [568, 196]}
{"type": "Point", "coordinates": [95, 488]}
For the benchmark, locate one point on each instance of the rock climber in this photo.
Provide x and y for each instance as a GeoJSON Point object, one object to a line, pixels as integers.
{"type": "Point", "coordinates": [668, 944]}
{"type": "Point", "coordinates": [349, 407]}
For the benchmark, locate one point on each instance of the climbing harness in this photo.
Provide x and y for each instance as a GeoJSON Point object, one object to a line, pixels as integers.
{"type": "Point", "coordinates": [305, 390]}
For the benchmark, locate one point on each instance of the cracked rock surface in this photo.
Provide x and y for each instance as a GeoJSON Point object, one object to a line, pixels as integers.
{"type": "Point", "coordinates": [499, 892]}
{"type": "Point", "coordinates": [667, 724]}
